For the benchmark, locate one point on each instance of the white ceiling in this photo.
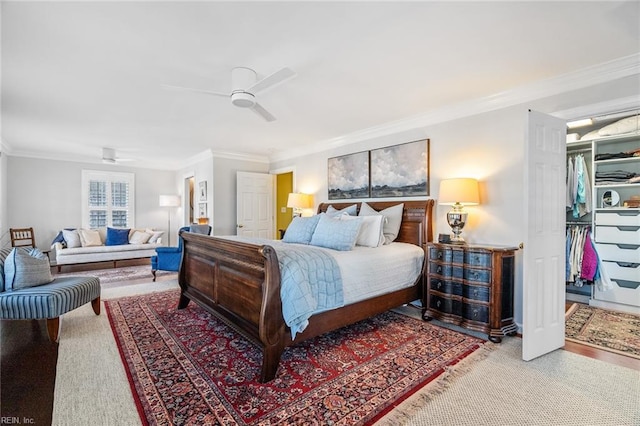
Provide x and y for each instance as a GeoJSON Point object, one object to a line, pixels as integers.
{"type": "Point", "coordinates": [79, 76]}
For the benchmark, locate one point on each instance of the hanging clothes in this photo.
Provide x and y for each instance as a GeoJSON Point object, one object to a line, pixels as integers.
{"type": "Point", "coordinates": [582, 259]}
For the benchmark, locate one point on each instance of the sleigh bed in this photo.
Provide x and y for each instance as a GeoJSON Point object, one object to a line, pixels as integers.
{"type": "Point", "coordinates": [240, 283]}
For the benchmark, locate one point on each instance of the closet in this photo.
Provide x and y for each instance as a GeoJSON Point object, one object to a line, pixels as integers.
{"type": "Point", "coordinates": [603, 213]}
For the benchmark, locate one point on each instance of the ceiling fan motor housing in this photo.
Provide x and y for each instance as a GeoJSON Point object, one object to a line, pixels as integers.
{"type": "Point", "coordinates": [241, 79]}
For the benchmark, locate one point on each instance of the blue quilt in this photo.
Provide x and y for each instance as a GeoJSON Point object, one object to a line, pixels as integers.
{"type": "Point", "coordinates": [310, 282]}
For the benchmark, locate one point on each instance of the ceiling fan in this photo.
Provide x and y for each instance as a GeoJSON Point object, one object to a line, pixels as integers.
{"type": "Point", "coordinates": [244, 87]}
{"type": "Point", "coordinates": [109, 156]}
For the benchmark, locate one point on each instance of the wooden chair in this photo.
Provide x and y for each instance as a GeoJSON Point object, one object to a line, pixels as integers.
{"type": "Point", "coordinates": [22, 237]}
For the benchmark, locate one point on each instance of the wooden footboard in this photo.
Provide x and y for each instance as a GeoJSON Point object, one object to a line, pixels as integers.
{"type": "Point", "coordinates": [240, 283]}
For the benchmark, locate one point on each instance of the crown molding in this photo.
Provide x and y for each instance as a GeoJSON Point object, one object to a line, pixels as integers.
{"type": "Point", "coordinates": [585, 77]}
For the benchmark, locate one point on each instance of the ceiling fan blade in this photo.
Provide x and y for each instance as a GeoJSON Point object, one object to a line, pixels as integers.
{"type": "Point", "coordinates": [190, 89]}
{"type": "Point", "coordinates": [271, 80]}
{"type": "Point", "coordinates": [258, 109]}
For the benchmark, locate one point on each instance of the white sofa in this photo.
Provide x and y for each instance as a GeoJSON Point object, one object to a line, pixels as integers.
{"type": "Point", "coordinates": [94, 249]}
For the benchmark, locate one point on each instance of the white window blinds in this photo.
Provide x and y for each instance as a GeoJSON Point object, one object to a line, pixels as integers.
{"type": "Point", "coordinates": [107, 199]}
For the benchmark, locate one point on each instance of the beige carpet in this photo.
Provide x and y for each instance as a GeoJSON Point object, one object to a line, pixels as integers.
{"type": "Point", "coordinates": [560, 388]}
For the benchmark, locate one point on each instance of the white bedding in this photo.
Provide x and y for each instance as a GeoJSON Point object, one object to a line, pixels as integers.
{"type": "Point", "coordinates": [368, 272]}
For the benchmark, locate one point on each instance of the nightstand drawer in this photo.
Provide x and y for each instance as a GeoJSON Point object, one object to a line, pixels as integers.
{"type": "Point", "coordinates": [477, 275]}
{"type": "Point", "coordinates": [440, 254]}
{"type": "Point", "coordinates": [474, 258]}
{"type": "Point", "coordinates": [440, 269]}
{"type": "Point", "coordinates": [473, 312]}
{"type": "Point", "coordinates": [446, 286]}
{"type": "Point", "coordinates": [445, 305]}
{"type": "Point", "coordinates": [476, 292]}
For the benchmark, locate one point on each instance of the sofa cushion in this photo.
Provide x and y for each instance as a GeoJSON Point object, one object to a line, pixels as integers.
{"type": "Point", "coordinates": [72, 238]}
{"type": "Point", "coordinates": [26, 267]}
{"type": "Point", "coordinates": [117, 236]}
{"type": "Point", "coordinates": [89, 237]}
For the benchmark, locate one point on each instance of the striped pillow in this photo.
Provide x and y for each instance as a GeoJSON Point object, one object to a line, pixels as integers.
{"type": "Point", "coordinates": [3, 255]}
{"type": "Point", "coordinates": [26, 267]}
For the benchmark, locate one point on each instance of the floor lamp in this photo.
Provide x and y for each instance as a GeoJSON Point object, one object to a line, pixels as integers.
{"type": "Point", "coordinates": [169, 201]}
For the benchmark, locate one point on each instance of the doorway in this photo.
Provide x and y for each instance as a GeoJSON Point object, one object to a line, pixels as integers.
{"type": "Point", "coordinates": [284, 215]}
{"type": "Point", "coordinates": [189, 202]}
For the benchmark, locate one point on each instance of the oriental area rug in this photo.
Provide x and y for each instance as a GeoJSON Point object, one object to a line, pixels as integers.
{"type": "Point", "coordinates": [185, 367]}
{"type": "Point", "coordinates": [612, 331]}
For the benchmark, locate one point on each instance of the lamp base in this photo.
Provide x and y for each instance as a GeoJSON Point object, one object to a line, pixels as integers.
{"type": "Point", "coordinates": [457, 218]}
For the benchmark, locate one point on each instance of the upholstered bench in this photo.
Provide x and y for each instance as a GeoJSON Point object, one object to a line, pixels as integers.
{"type": "Point", "coordinates": [47, 301]}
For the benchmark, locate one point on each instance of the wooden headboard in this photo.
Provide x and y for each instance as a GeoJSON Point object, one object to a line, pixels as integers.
{"type": "Point", "coordinates": [417, 218]}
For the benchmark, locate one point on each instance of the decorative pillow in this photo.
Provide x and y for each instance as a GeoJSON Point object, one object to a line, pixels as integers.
{"type": "Point", "coordinates": [154, 235]}
{"type": "Point", "coordinates": [3, 255]}
{"type": "Point", "coordinates": [351, 211]}
{"type": "Point", "coordinates": [139, 237]}
{"type": "Point", "coordinates": [117, 236]}
{"type": "Point", "coordinates": [89, 238]}
{"type": "Point", "coordinates": [335, 233]}
{"type": "Point", "coordinates": [300, 230]}
{"type": "Point", "coordinates": [72, 238]}
{"type": "Point", "coordinates": [26, 267]}
{"type": "Point", "coordinates": [626, 125]}
{"type": "Point", "coordinates": [392, 219]}
{"type": "Point", "coordinates": [370, 234]}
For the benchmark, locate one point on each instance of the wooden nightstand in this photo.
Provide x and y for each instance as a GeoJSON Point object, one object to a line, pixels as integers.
{"type": "Point", "coordinates": [471, 286]}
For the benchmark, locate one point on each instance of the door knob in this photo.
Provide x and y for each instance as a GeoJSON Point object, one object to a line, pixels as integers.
{"type": "Point", "coordinates": [240, 226]}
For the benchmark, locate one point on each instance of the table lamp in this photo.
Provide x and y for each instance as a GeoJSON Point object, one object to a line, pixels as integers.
{"type": "Point", "coordinates": [298, 202]}
{"type": "Point", "coordinates": [458, 192]}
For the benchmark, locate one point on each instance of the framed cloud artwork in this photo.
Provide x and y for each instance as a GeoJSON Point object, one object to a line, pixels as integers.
{"type": "Point", "coordinates": [400, 170]}
{"type": "Point", "coordinates": [348, 176]}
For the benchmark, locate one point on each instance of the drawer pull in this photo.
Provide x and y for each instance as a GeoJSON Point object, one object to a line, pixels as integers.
{"type": "Point", "coordinates": [628, 264]}
{"type": "Point", "coordinates": [628, 213]}
{"type": "Point", "coordinates": [476, 259]}
{"type": "Point", "coordinates": [628, 228]}
{"type": "Point", "coordinates": [439, 255]}
{"type": "Point", "coordinates": [627, 246]}
{"type": "Point", "coordinates": [626, 283]}
{"type": "Point", "coordinates": [475, 292]}
{"type": "Point", "coordinates": [473, 275]}
{"type": "Point", "coordinates": [439, 285]}
{"type": "Point", "coordinates": [438, 304]}
{"type": "Point", "coordinates": [439, 269]}
{"type": "Point", "coordinates": [475, 313]}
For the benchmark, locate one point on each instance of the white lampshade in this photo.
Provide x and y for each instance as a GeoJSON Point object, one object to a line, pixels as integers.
{"type": "Point", "coordinates": [169, 201]}
{"type": "Point", "coordinates": [459, 190]}
{"type": "Point", "coordinates": [299, 201]}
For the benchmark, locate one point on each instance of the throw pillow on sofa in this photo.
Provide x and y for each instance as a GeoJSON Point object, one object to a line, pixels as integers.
{"type": "Point", "coordinates": [117, 236]}
{"type": "Point", "coordinates": [26, 267]}
{"type": "Point", "coordinates": [90, 238]}
{"type": "Point", "coordinates": [139, 237]}
{"type": "Point", "coordinates": [72, 238]}
{"type": "Point", "coordinates": [154, 235]}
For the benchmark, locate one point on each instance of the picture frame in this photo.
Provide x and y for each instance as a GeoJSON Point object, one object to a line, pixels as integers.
{"type": "Point", "coordinates": [400, 170]}
{"type": "Point", "coordinates": [202, 191]}
{"type": "Point", "coordinates": [348, 176]}
{"type": "Point", "coordinates": [202, 210]}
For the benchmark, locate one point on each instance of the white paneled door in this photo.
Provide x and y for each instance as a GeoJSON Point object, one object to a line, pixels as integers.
{"type": "Point", "coordinates": [254, 205]}
{"type": "Point", "coordinates": [544, 248]}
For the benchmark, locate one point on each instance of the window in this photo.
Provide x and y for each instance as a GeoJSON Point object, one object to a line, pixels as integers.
{"type": "Point", "coordinates": [107, 199]}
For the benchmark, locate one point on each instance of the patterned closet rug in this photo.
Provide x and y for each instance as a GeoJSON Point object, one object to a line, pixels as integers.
{"type": "Point", "coordinates": [612, 331]}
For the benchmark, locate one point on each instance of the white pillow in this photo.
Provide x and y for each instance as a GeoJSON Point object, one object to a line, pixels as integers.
{"type": "Point", "coordinates": [626, 125]}
{"type": "Point", "coordinates": [591, 135]}
{"type": "Point", "coordinates": [72, 238]}
{"type": "Point", "coordinates": [370, 234]}
{"type": "Point", "coordinates": [154, 235]}
{"type": "Point", "coordinates": [351, 210]}
{"type": "Point", "coordinates": [89, 238]}
{"type": "Point", "coordinates": [139, 237]}
{"type": "Point", "coordinates": [392, 219]}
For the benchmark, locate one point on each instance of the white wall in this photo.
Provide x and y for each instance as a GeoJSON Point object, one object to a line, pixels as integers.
{"type": "Point", "coordinates": [46, 195]}
{"type": "Point", "coordinates": [5, 240]}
